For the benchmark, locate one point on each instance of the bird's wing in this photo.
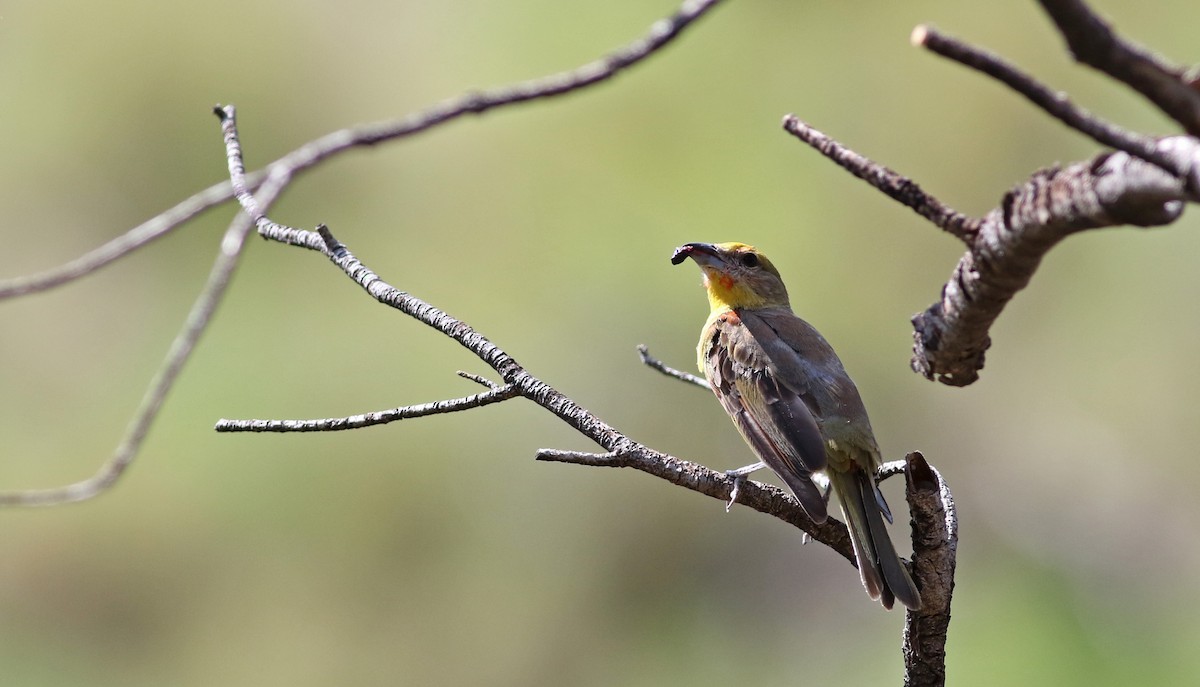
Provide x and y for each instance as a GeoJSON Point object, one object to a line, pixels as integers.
{"type": "Point", "coordinates": [805, 363]}
{"type": "Point", "coordinates": [774, 420]}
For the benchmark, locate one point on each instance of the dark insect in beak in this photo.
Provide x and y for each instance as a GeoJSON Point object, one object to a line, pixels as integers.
{"type": "Point", "coordinates": [681, 253]}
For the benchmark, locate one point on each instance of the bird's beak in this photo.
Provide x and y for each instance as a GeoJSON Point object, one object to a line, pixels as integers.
{"type": "Point", "coordinates": [705, 254]}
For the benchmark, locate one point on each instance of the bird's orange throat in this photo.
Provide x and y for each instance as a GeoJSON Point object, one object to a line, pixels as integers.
{"type": "Point", "coordinates": [726, 292]}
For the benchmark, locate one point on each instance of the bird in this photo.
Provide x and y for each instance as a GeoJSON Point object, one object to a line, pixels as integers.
{"type": "Point", "coordinates": [791, 399]}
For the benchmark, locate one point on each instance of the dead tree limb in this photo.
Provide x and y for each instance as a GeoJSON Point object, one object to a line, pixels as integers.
{"type": "Point", "coordinates": [1143, 182]}
{"type": "Point", "coordinates": [278, 174]}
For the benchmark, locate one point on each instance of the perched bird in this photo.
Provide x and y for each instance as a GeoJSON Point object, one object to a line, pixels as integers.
{"type": "Point", "coordinates": [794, 404]}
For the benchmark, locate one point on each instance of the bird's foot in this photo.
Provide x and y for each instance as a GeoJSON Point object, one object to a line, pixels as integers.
{"type": "Point", "coordinates": [739, 478]}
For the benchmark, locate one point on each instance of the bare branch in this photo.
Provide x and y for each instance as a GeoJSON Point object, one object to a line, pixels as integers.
{"type": "Point", "coordinates": [181, 349]}
{"type": "Point", "coordinates": [1145, 184]}
{"type": "Point", "coordinates": [656, 364]}
{"type": "Point", "coordinates": [1058, 105]}
{"type": "Point", "coordinates": [897, 187]}
{"type": "Point", "coordinates": [661, 33]}
{"type": "Point", "coordinates": [1093, 42]}
{"type": "Point", "coordinates": [935, 550]}
{"type": "Point", "coordinates": [124, 244]}
{"type": "Point", "coordinates": [380, 417]}
{"type": "Point", "coordinates": [612, 459]}
{"type": "Point", "coordinates": [951, 336]}
{"type": "Point", "coordinates": [313, 152]}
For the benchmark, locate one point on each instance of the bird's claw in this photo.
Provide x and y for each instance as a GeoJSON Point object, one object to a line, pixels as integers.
{"type": "Point", "coordinates": [738, 480]}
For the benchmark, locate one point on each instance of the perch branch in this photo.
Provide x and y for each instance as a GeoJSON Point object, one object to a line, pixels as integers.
{"type": "Point", "coordinates": [621, 451]}
{"type": "Point", "coordinates": [627, 452]}
{"type": "Point", "coordinates": [935, 549]}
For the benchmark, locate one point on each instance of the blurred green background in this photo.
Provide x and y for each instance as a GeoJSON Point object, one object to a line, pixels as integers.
{"type": "Point", "coordinates": [437, 551]}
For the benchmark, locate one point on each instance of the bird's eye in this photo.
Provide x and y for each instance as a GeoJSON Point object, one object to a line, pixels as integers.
{"type": "Point", "coordinates": [749, 259]}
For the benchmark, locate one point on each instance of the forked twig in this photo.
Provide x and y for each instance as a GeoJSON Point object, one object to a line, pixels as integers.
{"type": "Point", "coordinates": [281, 172]}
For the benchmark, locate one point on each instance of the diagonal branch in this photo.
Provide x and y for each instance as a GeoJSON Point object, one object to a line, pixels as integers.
{"type": "Point", "coordinates": [661, 34]}
{"type": "Point", "coordinates": [1093, 42]}
{"type": "Point", "coordinates": [951, 336]}
{"type": "Point", "coordinates": [1059, 106]}
{"type": "Point", "coordinates": [181, 349]}
{"type": "Point", "coordinates": [899, 188]}
{"type": "Point", "coordinates": [125, 244]}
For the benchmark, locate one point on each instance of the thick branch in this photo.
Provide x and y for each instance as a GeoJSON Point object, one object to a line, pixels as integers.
{"type": "Point", "coordinates": [935, 548]}
{"type": "Point", "coordinates": [951, 336]}
{"type": "Point", "coordinates": [1145, 185]}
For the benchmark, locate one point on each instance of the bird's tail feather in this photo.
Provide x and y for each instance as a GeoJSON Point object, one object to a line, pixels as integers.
{"type": "Point", "coordinates": [883, 574]}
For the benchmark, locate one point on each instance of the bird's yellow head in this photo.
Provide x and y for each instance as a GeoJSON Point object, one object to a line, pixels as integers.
{"type": "Point", "coordinates": [735, 275]}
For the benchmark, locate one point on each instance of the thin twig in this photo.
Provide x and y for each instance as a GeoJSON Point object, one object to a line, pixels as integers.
{"type": "Point", "coordinates": [126, 243]}
{"type": "Point", "coordinates": [895, 186]}
{"type": "Point", "coordinates": [342, 140]}
{"type": "Point", "coordinates": [1058, 105]}
{"type": "Point", "coordinates": [661, 33]}
{"type": "Point", "coordinates": [656, 364]}
{"type": "Point", "coordinates": [891, 469]}
{"type": "Point", "coordinates": [1093, 42]}
{"type": "Point", "coordinates": [181, 349]}
{"type": "Point", "coordinates": [482, 381]}
{"type": "Point", "coordinates": [381, 417]}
